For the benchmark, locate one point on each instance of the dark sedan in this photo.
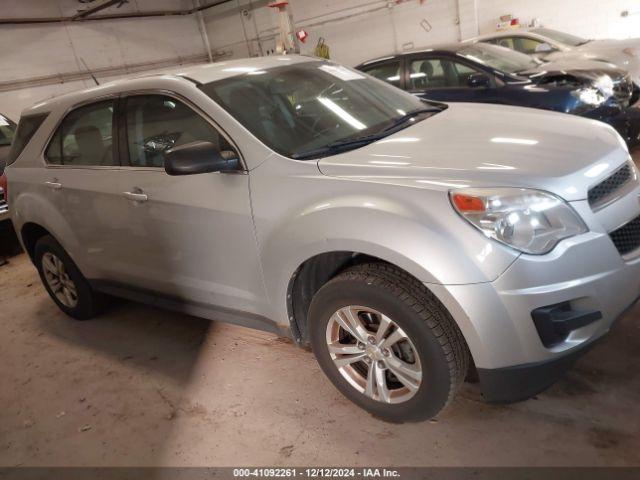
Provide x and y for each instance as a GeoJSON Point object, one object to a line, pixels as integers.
{"type": "Point", "coordinates": [478, 72]}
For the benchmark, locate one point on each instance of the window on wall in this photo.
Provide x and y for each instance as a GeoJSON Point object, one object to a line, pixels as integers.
{"type": "Point", "coordinates": [389, 72]}
{"type": "Point", "coordinates": [85, 137]}
{"type": "Point", "coordinates": [156, 123]}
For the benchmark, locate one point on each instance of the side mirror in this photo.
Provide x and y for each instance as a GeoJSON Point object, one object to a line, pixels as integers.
{"type": "Point", "coordinates": [478, 80]}
{"type": "Point", "coordinates": [199, 157]}
{"type": "Point", "coordinates": [544, 48]}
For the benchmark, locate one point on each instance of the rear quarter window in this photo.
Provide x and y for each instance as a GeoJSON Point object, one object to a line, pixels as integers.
{"type": "Point", "coordinates": [388, 72]}
{"type": "Point", "coordinates": [27, 128]}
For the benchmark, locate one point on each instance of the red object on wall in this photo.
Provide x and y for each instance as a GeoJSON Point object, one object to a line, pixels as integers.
{"type": "Point", "coordinates": [302, 35]}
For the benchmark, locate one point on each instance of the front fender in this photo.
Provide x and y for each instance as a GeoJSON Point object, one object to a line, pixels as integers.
{"type": "Point", "coordinates": [414, 229]}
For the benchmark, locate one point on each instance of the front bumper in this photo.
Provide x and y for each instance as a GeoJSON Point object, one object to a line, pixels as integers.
{"type": "Point", "coordinates": [585, 272]}
{"type": "Point", "coordinates": [520, 382]}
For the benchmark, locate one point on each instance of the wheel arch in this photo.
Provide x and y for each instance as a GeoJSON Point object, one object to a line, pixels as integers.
{"type": "Point", "coordinates": [308, 278]}
{"type": "Point", "coordinates": [30, 233]}
{"type": "Point", "coordinates": [314, 272]}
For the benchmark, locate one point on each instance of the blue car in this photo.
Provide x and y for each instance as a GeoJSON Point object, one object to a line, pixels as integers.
{"type": "Point", "coordinates": [479, 72]}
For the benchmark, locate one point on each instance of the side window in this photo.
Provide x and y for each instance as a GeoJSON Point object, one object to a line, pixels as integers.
{"type": "Point", "coordinates": [156, 123]}
{"type": "Point", "coordinates": [388, 72]}
{"type": "Point", "coordinates": [428, 73]}
{"type": "Point", "coordinates": [7, 130]}
{"type": "Point", "coordinates": [27, 128]}
{"type": "Point", "coordinates": [526, 45]}
{"type": "Point", "coordinates": [507, 42]}
{"type": "Point", "coordinates": [463, 72]}
{"type": "Point", "coordinates": [438, 73]}
{"type": "Point", "coordinates": [85, 137]}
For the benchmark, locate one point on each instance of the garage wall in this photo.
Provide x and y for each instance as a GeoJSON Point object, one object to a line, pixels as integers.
{"type": "Point", "coordinates": [587, 18]}
{"type": "Point", "coordinates": [31, 51]}
{"type": "Point", "coordinates": [358, 30]}
{"type": "Point", "coordinates": [355, 30]}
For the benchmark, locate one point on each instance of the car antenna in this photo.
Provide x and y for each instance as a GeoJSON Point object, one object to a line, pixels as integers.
{"type": "Point", "coordinates": [90, 72]}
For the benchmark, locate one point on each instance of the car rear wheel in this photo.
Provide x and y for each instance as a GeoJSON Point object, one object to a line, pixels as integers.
{"type": "Point", "coordinates": [387, 343]}
{"type": "Point", "coordinates": [64, 282]}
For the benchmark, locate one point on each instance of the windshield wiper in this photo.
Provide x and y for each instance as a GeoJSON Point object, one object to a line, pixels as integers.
{"type": "Point", "coordinates": [352, 143]}
{"type": "Point", "coordinates": [341, 145]}
{"type": "Point", "coordinates": [396, 122]}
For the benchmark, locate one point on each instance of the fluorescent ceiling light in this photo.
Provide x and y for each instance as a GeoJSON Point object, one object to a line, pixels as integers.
{"type": "Point", "coordinates": [400, 140]}
{"type": "Point", "coordinates": [596, 170]}
{"type": "Point", "coordinates": [342, 113]}
{"type": "Point", "coordinates": [240, 69]}
{"type": "Point", "coordinates": [514, 141]}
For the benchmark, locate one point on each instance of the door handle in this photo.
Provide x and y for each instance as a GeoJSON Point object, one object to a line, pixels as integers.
{"type": "Point", "coordinates": [136, 196]}
{"type": "Point", "coordinates": [53, 185]}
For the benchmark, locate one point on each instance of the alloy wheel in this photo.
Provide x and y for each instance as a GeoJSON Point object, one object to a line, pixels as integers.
{"type": "Point", "coordinates": [374, 354]}
{"type": "Point", "coordinates": [59, 281]}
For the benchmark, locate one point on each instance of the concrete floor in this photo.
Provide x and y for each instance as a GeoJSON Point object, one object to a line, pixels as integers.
{"type": "Point", "coordinates": [144, 387]}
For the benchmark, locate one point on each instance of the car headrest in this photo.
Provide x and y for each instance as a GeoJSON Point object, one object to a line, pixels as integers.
{"type": "Point", "coordinates": [427, 68]}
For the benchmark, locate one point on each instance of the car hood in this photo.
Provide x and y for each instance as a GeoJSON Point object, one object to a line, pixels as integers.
{"type": "Point", "coordinates": [609, 45]}
{"type": "Point", "coordinates": [625, 54]}
{"type": "Point", "coordinates": [479, 145]}
{"type": "Point", "coordinates": [587, 70]}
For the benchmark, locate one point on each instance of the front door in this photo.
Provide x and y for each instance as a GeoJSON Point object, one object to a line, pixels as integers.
{"type": "Point", "coordinates": [446, 80]}
{"type": "Point", "coordinates": [188, 237]}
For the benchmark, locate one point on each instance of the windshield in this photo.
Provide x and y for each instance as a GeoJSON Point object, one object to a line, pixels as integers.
{"type": "Point", "coordinates": [560, 37]}
{"type": "Point", "coordinates": [305, 107]}
{"type": "Point", "coordinates": [7, 130]}
{"type": "Point", "coordinates": [498, 58]}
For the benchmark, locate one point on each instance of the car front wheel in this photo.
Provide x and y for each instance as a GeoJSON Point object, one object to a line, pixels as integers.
{"type": "Point", "coordinates": [387, 343]}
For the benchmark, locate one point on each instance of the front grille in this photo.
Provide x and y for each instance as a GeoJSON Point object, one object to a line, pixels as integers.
{"type": "Point", "coordinates": [600, 193]}
{"type": "Point", "coordinates": [3, 202]}
{"type": "Point", "coordinates": [627, 238]}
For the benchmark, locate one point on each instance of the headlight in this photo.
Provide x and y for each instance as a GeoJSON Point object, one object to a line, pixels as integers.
{"type": "Point", "coordinates": [598, 93]}
{"type": "Point", "coordinates": [604, 84]}
{"type": "Point", "coordinates": [590, 96]}
{"type": "Point", "coordinates": [531, 221]}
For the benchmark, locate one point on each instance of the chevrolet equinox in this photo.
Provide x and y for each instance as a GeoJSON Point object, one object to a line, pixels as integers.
{"type": "Point", "coordinates": [409, 242]}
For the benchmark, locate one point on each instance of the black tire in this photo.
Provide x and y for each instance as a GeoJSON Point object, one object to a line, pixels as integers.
{"type": "Point", "coordinates": [441, 348]}
{"type": "Point", "coordinates": [89, 303]}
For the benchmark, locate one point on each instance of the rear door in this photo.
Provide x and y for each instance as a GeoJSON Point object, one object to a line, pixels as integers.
{"type": "Point", "coordinates": [82, 182]}
{"type": "Point", "coordinates": [188, 237]}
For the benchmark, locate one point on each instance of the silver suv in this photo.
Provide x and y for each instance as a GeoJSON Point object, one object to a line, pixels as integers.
{"type": "Point", "coordinates": [410, 243]}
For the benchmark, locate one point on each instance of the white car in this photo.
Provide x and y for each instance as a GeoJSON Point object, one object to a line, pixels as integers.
{"type": "Point", "coordinates": [551, 45]}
